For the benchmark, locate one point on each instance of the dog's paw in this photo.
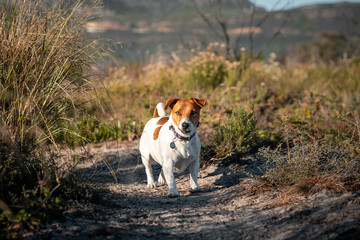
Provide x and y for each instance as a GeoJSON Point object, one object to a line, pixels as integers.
{"type": "Point", "coordinates": [161, 181]}
{"type": "Point", "coordinates": [196, 189]}
{"type": "Point", "coordinates": [151, 185]}
{"type": "Point", "coordinates": [173, 193]}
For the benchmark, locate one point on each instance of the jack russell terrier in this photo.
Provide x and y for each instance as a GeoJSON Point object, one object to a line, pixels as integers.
{"type": "Point", "coordinates": [172, 142]}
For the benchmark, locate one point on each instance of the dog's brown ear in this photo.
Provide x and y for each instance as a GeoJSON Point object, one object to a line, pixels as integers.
{"type": "Point", "coordinates": [171, 102]}
{"type": "Point", "coordinates": [201, 102]}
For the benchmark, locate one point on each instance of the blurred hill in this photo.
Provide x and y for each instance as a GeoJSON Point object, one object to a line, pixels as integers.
{"type": "Point", "coordinates": [161, 7]}
{"type": "Point", "coordinates": [149, 25]}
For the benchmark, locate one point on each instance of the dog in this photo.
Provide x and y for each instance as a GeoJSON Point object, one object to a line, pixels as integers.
{"type": "Point", "coordinates": [172, 142]}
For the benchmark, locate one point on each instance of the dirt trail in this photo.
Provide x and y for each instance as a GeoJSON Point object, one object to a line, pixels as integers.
{"type": "Point", "coordinates": [127, 210]}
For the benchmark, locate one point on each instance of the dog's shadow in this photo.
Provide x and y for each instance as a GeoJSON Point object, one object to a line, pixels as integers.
{"type": "Point", "coordinates": [122, 167]}
{"type": "Point", "coordinates": [125, 167]}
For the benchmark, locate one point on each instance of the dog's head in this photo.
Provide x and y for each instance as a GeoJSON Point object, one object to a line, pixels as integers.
{"type": "Point", "coordinates": [185, 113]}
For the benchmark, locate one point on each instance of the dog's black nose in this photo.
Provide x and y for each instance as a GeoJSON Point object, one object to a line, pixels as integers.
{"type": "Point", "coordinates": [185, 125]}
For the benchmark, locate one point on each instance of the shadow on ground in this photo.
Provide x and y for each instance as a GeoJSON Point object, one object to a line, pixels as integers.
{"type": "Point", "coordinates": [127, 166]}
{"type": "Point", "coordinates": [126, 209]}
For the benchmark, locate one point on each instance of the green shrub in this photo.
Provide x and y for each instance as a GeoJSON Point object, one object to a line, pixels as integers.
{"type": "Point", "coordinates": [236, 133]}
{"type": "Point", "coordinates": [10, 222]}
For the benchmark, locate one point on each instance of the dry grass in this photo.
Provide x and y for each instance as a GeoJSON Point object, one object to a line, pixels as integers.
{"type": "Point", "coordinates": [293, 195]}
{"type": "Point", "coordinates": [310, 109]}
{"type": "Point", "coordinates": [284, 198]}
{"type": "Point", "coordinates": [315, 104]}
{"type": "Point", "coordinates": [322, 98]}
{"type": "Point", "coordinates": [316, 184]}
{"type": "Point", "coordinates": [43, 57]}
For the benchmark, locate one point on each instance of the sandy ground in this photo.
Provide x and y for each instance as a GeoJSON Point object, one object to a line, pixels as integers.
{"type": "Point", "coordinates": [128, 210]}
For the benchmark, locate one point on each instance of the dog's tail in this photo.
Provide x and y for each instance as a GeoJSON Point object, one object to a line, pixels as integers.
{"type": "Point", "coordinates": [159, 110]}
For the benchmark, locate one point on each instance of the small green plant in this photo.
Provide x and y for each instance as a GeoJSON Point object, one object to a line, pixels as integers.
{"type": "Point", "coordinates": [11, 225]}
{"type": "Point", "coordinates": [91, 130]}
{"type": "Point", "coordinates": [236, 134]}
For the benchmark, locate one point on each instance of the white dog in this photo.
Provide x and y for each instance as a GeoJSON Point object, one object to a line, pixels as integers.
{"type": "Point", "coordinates": [173, 142]}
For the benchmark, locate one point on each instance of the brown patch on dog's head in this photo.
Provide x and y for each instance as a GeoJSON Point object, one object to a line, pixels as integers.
{"type": "Point", "coordinates": [160, 123]}
{"type": "Point", "coordinates": [171, 102]}
{"type": "Point", "coordinates": [186, 108]}
{"type": "Point", "coordinates": [201, 102]}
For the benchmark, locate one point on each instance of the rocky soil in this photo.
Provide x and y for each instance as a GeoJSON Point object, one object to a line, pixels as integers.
{"type": "Point", "coordinates": [126, 209]}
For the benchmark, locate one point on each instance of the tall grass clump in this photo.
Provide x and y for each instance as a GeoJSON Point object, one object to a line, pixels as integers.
{"type": "Point", "coordinates": [43, 56]}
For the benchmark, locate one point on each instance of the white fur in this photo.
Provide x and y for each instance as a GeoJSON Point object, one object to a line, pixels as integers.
{"type": "Point", "coordinates": [161, 109]}
{"type": "Point", "coordinates": [186, 154]}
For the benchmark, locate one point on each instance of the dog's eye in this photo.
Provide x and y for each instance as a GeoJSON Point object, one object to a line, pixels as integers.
{"type": "Point", "coordinates": [193, 112]}
{"type": "Point", "coordinates": [177, 113]}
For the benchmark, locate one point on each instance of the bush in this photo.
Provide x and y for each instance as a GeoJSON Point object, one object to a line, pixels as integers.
{"type": "Point", "coordinates": [207, 70]}
{"type": "Point", "coordinates": [236, 134]}
{"type": "Point", "coordinates": [307, 161]}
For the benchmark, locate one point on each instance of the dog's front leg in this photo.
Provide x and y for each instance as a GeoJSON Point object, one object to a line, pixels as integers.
{"type": "Point", "coordinates": [194, 169]}
{"type": "Point", "coordinates": [168, 169]}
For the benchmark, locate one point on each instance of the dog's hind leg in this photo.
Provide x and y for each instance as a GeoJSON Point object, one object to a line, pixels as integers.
{"type": "Point", "coordinates": [161, 179]}
{"type": "Point", "coordinates": [146, 160]}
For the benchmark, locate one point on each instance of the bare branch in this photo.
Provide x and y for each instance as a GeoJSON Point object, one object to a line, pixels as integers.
{"type": "Point", "coordinates": [206, 19]}
{"type": "Point", "coordinates": [277, 33]}
{"type": "Point", "coordinates": [262, 20]}
{"type": "Point", "coordinates": [251, 34]}
{"type": "Point", "coordinates": [220, 21]}
{"type": "Point", "coordinates": [238, 38]}
{"type": "Point", "coordinates": [219, 26]}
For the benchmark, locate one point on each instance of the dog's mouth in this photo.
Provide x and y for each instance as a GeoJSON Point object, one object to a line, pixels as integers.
{"type": "Point", "coordinates": [186, 131]}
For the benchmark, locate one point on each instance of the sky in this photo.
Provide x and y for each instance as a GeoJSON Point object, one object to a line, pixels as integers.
{"type": "Point", "coordinates": [286, 4]}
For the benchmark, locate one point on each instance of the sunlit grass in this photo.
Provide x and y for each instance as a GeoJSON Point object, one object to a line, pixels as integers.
{"type": "Point", "coordinates": [43, 57]}
{"type": "Point", "coordinates": [319, 101]}
{"type": "Point", "coordinates": [319, 96]}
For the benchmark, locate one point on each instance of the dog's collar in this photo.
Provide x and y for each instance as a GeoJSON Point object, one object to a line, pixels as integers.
{"type": "Point", "coordinates": [180, 136]}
